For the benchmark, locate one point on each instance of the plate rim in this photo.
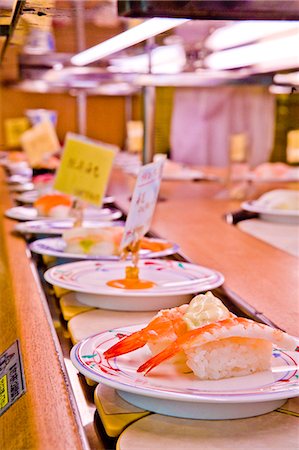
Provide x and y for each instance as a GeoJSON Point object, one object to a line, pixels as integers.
{"type": "Point", "coordinates": [115, 214]}
{"type": "Point", "coordinates": [20, 225]}
{"type": "Point", "coordinates": [81, 256]}
{"type": "Point", "coordinates": [106, 199]}
{"type": "Point", "coordinates": [251, 206]}
{"type": "Point", "coordinates": [134, 293]}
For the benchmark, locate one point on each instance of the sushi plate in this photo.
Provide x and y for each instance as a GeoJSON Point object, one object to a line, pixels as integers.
{"type": "Point", "coordinates": [166, 391]}
{"type": "Point", "coordinates": [56, 247]}
{"type": "Point", "coordinates": [29, 213]}
{"type": "Point", "coordinates": [22, 187]}
{"type": "Point", "coordinates": [18, 179]}
{"type": "Point", "coordinates": [174, 283]}
{"type": "Point", "coordinates": [272, 215]}
{"type": "Point", "coordinates": [291, 175]}
{"type": "Point", "coordinates": [184, 174]}
{"type": "Point", "coordinates": [31, 196]}
{"type": "Point", "coordinates": [57, 227]}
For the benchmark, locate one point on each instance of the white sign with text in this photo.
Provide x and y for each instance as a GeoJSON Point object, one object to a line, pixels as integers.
{"type": "Point", "coordinates": [143, 203]}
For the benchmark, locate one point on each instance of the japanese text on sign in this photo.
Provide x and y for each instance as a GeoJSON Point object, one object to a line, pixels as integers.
{"type": "Point", "coordinates": [12, 381]}
{"type": "Point", "coordinates": [143, 203]}
{"type": "Point", "coordinates": [14, 128]}
{"type": "Point", "coordinates": [85, 168]}
{"type": "Point", "coordinates": [40, 142]}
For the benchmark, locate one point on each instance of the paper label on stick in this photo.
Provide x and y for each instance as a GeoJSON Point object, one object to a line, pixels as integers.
{"type": "Point", "coordinates": [143, 203]}
{"type": "Point", "coordinates": [40, 142]}
{"type": "Point", "coordinates": [84, 169]}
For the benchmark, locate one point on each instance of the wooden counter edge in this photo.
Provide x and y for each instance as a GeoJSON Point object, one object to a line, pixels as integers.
{"type": "Point", "coordinates": [45, 416]}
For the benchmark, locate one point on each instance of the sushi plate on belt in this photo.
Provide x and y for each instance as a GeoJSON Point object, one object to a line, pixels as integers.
{"type": "Point", "coordinates": [175, 283]}
{"type": "Point", "coordinates": [166, 391]}
{"type": "Point", "coordinates": [56, 247]}
{"type": "Point", "coordinates": [29, 213]}
{"type": "Point", "coordinates": [25, 187]}
{"type": "Point", "coordinates": [58, 226]}
{"type": "Point", "coordinates": [31, 196]}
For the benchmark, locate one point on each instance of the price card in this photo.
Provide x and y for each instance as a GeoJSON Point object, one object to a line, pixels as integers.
{"type": "Point", "coordinates": [14, 128]}
{"type": "Point", "coordinates": [143, 203]}
{"type": "Point", "coordinates": [40, 142]}
{"type": "Point", "coordinates": [85, 168]}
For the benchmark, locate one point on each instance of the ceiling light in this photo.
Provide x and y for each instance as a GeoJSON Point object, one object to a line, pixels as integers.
{"type": "Point", "coordinates": [133, 36]}
{"type": "Point", "coordinates": [287, 78]}
{"type": "Point", "coordinates": [245, 32]}
{"type": "Point", "coordinates": [164, 59]}
{"type": "Point", "coordinates": [272, 55]}
{"type": "Point", "coordinates": [279, 90]}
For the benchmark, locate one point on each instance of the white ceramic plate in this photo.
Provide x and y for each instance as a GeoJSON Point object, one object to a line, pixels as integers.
{"type": "Point", "coordinates": [18, 179]}
{"type": "Point", "coordinates": [58, 226]}
{"type": "Point", "coordinates": [290, 176]}
{"type": "Point", "coordinates": [168, 392]}
{"type": "Point", "coordinates": [31, 196]}
{"type": "Point", "coordinates": [273, 215]}
{"type": "Point", "coordinates": [22, 187]}
{"type": "Point", "coordinates": [175, 283]}
{"type": "Point", "coordinates": [19, 168]}
{"type": "Point", "coordinates": [184, 174]}
{"type": "Point", "coordinates": [56, 247]}
{"type": "Point", "coordinates": [30, 213]}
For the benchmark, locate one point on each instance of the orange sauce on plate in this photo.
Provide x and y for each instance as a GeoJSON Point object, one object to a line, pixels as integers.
{"type": "Point", "coordinates": [132, 280]}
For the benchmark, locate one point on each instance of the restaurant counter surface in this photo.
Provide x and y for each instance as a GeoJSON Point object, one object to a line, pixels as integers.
{"type": "Point", "coordinates": [257, 276]}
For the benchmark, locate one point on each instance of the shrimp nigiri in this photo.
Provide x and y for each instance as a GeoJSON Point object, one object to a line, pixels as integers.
{"type": "Point", "coordinates": [230, 347]}
{"type": "Point", "coordinates": [169, 324]}
{"type": "Point", "coordinates": [166, 326]}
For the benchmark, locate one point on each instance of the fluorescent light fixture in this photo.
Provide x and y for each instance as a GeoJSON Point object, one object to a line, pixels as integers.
{"type": "Point", "coordinates": [287, 78]}
{"type": "Point", "coordinates": [270, 55]}
{"type": "Point", "coordinates": [203, 78]}
{"type": "Point", "coordinates": [278, 90]}
{"type": "Point", "coordinates": [164, 59]}
{"type": "Point", "coordinates": [133, 36]}
{"type": "Point", "coordinates": [247, 32]}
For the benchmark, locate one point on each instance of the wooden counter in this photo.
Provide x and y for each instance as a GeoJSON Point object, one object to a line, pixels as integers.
{"type": "Point", "coordinates": [44, 417]}
{"type": "Point", "coordinates": [189, 213]}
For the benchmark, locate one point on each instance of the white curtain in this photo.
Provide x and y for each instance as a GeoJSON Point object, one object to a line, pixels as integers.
{"type": "Point", "coordinates": [204, 118]}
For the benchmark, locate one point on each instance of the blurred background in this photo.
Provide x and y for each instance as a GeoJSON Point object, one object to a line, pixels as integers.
{"type": "Point", "coordinates": [199, 103]}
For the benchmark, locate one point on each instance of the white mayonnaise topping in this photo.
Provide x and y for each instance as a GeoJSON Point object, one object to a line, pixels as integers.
{"type": "Point", "coordinates": [204, 309]}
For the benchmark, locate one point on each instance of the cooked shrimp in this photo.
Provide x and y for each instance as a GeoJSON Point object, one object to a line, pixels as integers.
{"type": "Point", "coordinates": [224, 329]}
{"type": "Point", "coordinates": [165, 327]}
{"type": "Point", "coordinates": [168, 324]}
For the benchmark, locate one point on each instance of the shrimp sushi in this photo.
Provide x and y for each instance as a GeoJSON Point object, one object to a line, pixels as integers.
{"type": "Point", "coordinates": [226, 348]}
{"type": "Point", "coordinates": [168, 324]}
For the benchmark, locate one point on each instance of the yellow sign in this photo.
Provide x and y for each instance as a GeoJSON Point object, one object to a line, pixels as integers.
{"type": "Point", "coordinates": [40, 142]}
{"type": "Point", "coordinates": [85, 168]}
{"type": "Point", "coordinates": [3, 392]}
{"type": "Point", "coordinates": [14, 128]}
